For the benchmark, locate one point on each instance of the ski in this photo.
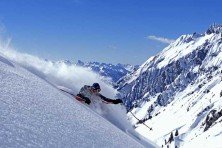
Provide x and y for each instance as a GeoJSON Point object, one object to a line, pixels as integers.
{"type": "Point", "coordinates": [76, 97]}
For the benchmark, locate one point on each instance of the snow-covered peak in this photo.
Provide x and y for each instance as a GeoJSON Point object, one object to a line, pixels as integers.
{"type": "Point", "coordinates": [80, 63]}
{"type": "Point", "coordinates": [188, 51]}
{"type": "Point", "coordinates": [180, 89]}
{"type": "Point", "coordinates": [185, 44]}
{"type": "Point", "coordinates": [215, 28]}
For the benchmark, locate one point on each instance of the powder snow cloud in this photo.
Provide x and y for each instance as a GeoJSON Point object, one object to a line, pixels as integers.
{"type": "Point", "coordinates": [160, 39]}
{"type": "Point", "coordinates": [57, 73]}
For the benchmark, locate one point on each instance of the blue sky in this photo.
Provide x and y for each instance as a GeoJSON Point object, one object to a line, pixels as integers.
{"type": "Point", "coordinates": [111, 31]}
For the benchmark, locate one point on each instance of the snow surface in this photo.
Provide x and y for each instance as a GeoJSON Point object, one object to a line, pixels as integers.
{"type": "Point", "coordinates": [35, 113]}
{"type": "Point", "coordinates": [189, 123]}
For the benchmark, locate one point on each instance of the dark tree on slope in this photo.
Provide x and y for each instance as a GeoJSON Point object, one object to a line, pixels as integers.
{"type": "Point", "coordinates": [171, 138]}
{"type": "Point", "coordinates": [211, 118]}
{"type": "Point", "coordinates": [176, 133]}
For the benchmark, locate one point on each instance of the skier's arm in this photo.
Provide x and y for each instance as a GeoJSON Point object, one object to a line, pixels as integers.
{"type": "Point", "coordinates": [110, 100]}
{"type": "Point", "coordinates": [85, 99]}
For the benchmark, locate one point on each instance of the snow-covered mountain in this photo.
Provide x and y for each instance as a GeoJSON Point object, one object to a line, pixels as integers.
{"type": "Point", "coordinates": [34, 113]}
{"type": "Point", "coordinates": [180, 89]}
{"type": "Point", "coordinates": [115, 72]}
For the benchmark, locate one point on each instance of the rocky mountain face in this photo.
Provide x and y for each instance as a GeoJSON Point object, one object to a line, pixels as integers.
{"type": "Point", "coordinates": [177, 66]}
{"type": "Point", "coordinates": [188, 74]}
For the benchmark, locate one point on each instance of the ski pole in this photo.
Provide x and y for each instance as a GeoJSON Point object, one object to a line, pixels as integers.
{"type": "Point", "coordinates": [140, 120]}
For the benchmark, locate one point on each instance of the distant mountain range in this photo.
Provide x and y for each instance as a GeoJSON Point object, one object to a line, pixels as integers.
{"type": "Point", "coordinates": [115, 72]}
{"type": "Point", "coordinates": [181, 89]}
{"type": "Point", "coordinates": [110, 73]}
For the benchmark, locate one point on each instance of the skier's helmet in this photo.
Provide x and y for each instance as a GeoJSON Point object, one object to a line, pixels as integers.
{"type": "Point", "coordinates": [96, 86]}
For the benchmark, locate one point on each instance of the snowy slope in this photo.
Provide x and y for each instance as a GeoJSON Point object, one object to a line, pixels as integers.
{"type": "Point", "coordinates": [33, 113]}
{"type": "Point", "coordinates": [180, 89]}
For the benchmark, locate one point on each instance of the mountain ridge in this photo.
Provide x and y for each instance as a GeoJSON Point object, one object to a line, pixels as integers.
{"type": "Point", "coordinates": [188, 70]}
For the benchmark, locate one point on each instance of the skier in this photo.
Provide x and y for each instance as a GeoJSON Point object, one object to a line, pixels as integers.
{"type": "Point", "coordinates": [92, 92]}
